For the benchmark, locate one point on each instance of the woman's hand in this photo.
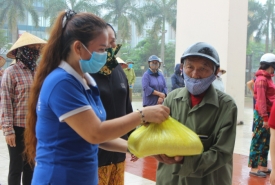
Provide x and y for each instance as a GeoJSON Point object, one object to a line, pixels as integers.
{"type": "Point", "coordinates": [156, 113]}
{"type": "Point", "coordinates": [160, 101]}
{"type": "Point", "coordinates": [265, 125]}
{"type": "Point", "coordinates": [133, 158]}
{"type": "Point", "coordinates": [161, 95]}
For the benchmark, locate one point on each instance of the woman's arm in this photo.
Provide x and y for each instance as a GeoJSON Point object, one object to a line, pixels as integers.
{"type": "Point", "coordinates": [149, 90]}
{"type": "Point", "coordinates": [115, 145]}
{"type": "Point", "coordinates": [145, 82]}
{"type": "Point", "coordinates": [90, 128]}
{"type": "Point", "coordinates": [160, 94]}
{"type": "Point", "coordinates": [261, 87]}
{"type": "Point", "coordinates": [250, 85]}
{"type": "Point", "coordinates": [164, 86]}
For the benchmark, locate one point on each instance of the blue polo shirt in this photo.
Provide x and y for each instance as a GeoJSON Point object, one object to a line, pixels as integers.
{"type": "Point", "coordinates": [62, 156]}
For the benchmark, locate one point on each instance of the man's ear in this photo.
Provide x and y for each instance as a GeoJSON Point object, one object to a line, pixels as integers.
{"type": "Point", "coordinates": [217, 71]}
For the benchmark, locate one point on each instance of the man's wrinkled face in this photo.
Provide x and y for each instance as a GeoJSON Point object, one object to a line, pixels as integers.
{"type": "Point", "coordinates": [198, 67]}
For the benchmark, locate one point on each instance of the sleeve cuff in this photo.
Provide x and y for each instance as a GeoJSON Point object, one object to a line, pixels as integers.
{"type": "Point", "coordinates": [265, 118]}
{"type": "Point", "coordinates": [185, 169]}
{"type": "Point", "coordinates": [8, 131]}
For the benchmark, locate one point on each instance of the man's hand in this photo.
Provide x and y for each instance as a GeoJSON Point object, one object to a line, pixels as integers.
{"type": "Point", "coordinates": [169, 160]}
{"type": "Point", "coordinates": [10, 140]}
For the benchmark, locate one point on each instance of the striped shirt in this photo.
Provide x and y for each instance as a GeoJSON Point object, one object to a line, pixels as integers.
{"type": "Point", "coordinates": [16, 83]}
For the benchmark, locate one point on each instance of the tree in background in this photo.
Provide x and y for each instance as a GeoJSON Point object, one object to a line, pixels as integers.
{"type": "Point", "coordinates": [4, 45]}
{"type": "Point", "coordinates": [120, 13]}
{"type": "Point", "coordinates": [261, 21]}
{"type": "Point", "coordinates": [140, 54]}
{"type": "Point", "coordinates": [256, 50]}
{"type": "Point", "coordinates": [161, 12]}
{"type": "Point", "coordinates": [170, 50]}
{"type": "Point", "coordinates": [144, 49]}
{"type": "Point", "coordinates": [53, 7]}
{"type": "Point", "coordinates": [255, 16]}
{"type": "Point", "coordinates": [13, 11]}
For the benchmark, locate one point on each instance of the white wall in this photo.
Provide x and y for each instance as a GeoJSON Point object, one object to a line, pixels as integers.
{"type": "Point", "coordinates": [223, 24]}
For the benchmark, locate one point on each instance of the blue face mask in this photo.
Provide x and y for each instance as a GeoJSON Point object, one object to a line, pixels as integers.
{"type": "Point", "coordinates": [130, 66]}
{"type": "Point", "coordinates": [198, 86]}
{"type": "Point", "coordinates": [95, 63]}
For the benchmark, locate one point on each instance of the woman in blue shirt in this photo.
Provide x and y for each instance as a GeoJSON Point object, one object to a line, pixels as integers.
{"type": "Point", "coordinates": [66, 119]}
{"type": "Point", "coordinates": [153, 83]}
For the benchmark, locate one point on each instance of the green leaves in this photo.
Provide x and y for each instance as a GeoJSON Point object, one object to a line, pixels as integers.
{"type": "Point", "coordinates": [145, 48]}
{"type": "Point", "coordinates": [53, 7]}
{"type": "Point", "coordinates": [261, 22]}
{"type": "Point", "coordinates": [121, 13]}
{"type": "Point", "coordinates": [4, 45]}
{"type": "Point", "coordinates": [13, 11]}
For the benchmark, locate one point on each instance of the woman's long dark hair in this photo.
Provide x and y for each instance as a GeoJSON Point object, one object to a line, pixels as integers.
{"type": "Point", "coordinates": [83, 27]}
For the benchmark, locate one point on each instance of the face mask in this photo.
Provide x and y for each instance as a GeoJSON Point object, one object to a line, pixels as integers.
{"type": "Point", "coordinates": [130, 66]}
{"type": "Point", "coordinates": [154, 66]}
{"type": "Point", "coordinates": [219, 74]}
{"type": "Point", "coordinates": [198, 86]}
{"type": "Point", "coordinates": [94, 64]}
{"type": "Point", "coordinates": [28, 56]}
{"type": "Point", "coordinates": [111, 63]}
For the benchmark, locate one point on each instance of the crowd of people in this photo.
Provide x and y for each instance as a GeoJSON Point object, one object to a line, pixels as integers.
{"type": "Point", "coordinates": [66, 120]}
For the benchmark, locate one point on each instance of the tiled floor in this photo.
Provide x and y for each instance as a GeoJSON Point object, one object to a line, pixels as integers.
{"type": "Point", "coordinates": [143, 171]}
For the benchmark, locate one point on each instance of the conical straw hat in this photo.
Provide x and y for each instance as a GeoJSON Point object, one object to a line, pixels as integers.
{"type": "Point", "coordinates": [2, 61]}
{"type": "Point", "coordinates": [120, 61]}
{"type": "Point", "coordinates": [24, 40]}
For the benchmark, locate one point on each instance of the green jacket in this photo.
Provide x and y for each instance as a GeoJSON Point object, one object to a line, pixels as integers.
{"type": "Point", "coordinates": [215, 116]}
{"type": "Point", "coordinates": [130, 75]}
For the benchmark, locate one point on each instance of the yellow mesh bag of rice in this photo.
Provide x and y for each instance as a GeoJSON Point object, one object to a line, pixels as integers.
{"type": "Point", "coordinates": [170, 138]}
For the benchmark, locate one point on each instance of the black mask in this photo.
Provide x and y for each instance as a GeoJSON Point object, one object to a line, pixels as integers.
{"type": "Point", "coordinates": [27, 56]}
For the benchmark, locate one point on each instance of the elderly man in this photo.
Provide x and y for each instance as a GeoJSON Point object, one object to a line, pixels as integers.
{"type": "Point", "coordinates": [209, 113]}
